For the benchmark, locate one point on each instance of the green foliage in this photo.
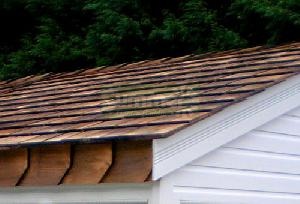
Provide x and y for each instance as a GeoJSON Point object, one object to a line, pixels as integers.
{"type": "Point", "coordinates": [40, 36]}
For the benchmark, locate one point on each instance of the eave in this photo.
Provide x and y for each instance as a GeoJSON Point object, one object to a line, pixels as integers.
{"type": "Point", "coordinates": [236, 120]}
{"type": "Point", "coordinates": [84, 164]}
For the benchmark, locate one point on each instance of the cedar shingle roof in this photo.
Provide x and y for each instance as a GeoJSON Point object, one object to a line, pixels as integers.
{"type": "Point", "coordinates": [144, 100]}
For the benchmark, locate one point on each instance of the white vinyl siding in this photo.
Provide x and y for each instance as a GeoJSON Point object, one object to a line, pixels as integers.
{"type": "Point", "coordinates": [117, 202]}
{"type": "Point", "coordinates": [261, 167]}
{"type": "Point", "coordinates": [123, 202]}
{"type": "Point", "coordinates": [97, 194]}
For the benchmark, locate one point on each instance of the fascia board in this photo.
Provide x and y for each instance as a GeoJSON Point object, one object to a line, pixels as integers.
{"type": "Point", "coordinates": [207, 135]}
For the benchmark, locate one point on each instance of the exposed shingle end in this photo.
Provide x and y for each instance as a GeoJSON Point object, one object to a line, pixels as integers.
{"type": "Point", "coordinates": [144, 100]}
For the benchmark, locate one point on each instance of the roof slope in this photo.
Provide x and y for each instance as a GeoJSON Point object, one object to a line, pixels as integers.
{"type": "Point", "coordinates": [144, 100]}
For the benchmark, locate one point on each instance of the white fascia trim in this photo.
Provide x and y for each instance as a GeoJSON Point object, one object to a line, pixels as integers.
{"type": "Point", "coordinates": [199, 139]}
{"type": "Point", "coordinates": [102, 193]}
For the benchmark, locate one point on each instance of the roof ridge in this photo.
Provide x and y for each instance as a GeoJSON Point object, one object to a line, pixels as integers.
{"type": "Point", "coordinates": [11, 85]}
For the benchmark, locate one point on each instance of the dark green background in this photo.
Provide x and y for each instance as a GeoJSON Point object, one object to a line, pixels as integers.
{"type": "Point", "coordinates": [39, 36]}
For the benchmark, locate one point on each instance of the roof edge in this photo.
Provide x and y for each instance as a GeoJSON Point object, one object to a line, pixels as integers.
{"type": "Point", "coordinates": [234, 121]}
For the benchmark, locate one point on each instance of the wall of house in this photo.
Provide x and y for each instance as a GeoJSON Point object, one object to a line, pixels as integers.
{"type": "Point", "coordinates": [261, 167]}
{"type": "Point", "coordinates": [103, 193]}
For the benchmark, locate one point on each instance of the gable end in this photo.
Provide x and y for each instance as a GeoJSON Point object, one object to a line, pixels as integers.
{"type": "Point", "coordinates": [221, 128]}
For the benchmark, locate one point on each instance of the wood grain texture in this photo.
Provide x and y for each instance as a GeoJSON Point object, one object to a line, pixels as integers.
{"type": "Point", "coordinates": [90, 163]}
{"type": "Point", "coordinates": [132, 162]}
{"type": "Point", "coordinates": [13, 164]}
{"type": "Point", "coordinates": [143, 100]}
{"type": "Point", "coordinates": [47, 166]}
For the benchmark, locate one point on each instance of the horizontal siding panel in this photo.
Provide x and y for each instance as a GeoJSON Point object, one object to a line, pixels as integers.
{"type": "Point", "coordinates": [206, 177]}
{"type": "Point", "coordinates": [285, 125]}
{"type": "Point", "coordinates": [251, 160]}
{"type": "Point", "coordinates": [110, 202]}
{"type": "Point", "coordinates": [268, 142]}
{"type": "Point", "coordinates": [295, 112]}
{"type": "Point", "coordinates": [263, 166]}
{"type": "Point", "coordinates": [224, 196]}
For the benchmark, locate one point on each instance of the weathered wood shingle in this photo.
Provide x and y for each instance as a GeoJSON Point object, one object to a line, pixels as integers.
{"type": "Point", "coordinates": [144, 100]}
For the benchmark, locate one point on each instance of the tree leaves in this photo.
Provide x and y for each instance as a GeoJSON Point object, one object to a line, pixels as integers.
{"type": "Point", "coordinates": [60, 35]}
